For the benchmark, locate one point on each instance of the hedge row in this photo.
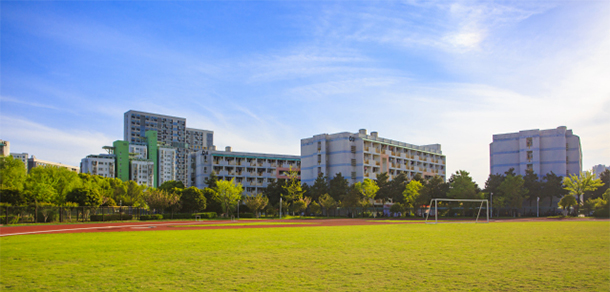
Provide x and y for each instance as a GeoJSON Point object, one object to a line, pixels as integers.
{"type": "Point", "coordinates": [151, 217]}
{"type": "Point", "coordinates": [246, 215]}
{"type": "Point", "coordinates": [110, 217]}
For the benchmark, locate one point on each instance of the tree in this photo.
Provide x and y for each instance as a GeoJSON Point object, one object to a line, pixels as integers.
{"type": "Point", "coordinates": [411, 194]}
{"type": "Point", "coordinates": [314, 208]}
{"type": "Point", "coordinates": [352, 199]}
{"type": "Point", "coordinates": [293, 188]}
{"type": "Point", "coordinates": [192, 200]}
{"type": "Point", "coordinates": [552, 187]}
{"type": "Point", "coordinates": [394, 188]}
{"type": "Point", "coordinates": [85, 197]}
{"type": "Point", "coordinates": [338, 187]}
{"type": "Point", "coordinates": [319, 187]}
{"type": "Point", "coordinates": [229, 194]}
{"type": "Point", "coordinates": [327, 202]}
{"type": "Point", "coordinates": [368, 189]}
{"type": "Point", "coordinates": [299, 206]}
{"type": "Point", "coordinates": [274, 191]}
{"type": "Point", "coordinates": [211, 180]}
{"type": "Point", "coordinates": [599, 192]}
{"type": "Point", "coordinates": [171, 184]}
{"type": "Point", "coordinates": [578, 185]}
{"type": "Point", "coordinates": [212, 202]}
{"type": "Point", "coordinates": [13, 173]}
{"type": "Point", "coordinates": [435, 187]}
{"type": "Point", "coordinates": [160, 200]}
{"type": "Point", "coordinates": [256, 203]}
{"type": "Point", "coordinates": [513, 191]}
{"type": "Point", "coordinates": [567, 201]}
{"type": "Point", "coordinates": [384, 184]}
{"type": "Point", "coordinates": [462, 186]}
{"type": "Point", "coordinates": [532, 185]}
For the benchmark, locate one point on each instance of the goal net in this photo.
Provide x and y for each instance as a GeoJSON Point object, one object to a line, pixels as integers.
{"type": "Point", "coordinates": [457, 211]}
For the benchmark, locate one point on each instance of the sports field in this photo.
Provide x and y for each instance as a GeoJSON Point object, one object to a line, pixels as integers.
{"type": "Point", "coordinates": [520, 256]}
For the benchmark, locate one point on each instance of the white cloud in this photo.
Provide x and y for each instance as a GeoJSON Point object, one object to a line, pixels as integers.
{"type": "Point", "coordinates": [51, 144]}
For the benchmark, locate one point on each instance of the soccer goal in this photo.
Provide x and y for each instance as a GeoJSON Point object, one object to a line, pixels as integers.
{"type": "Point", "coordinates": [434, 208]}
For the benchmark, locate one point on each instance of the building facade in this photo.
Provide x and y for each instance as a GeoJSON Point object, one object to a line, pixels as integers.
{"type": "Point", "coordinates": [253, 170]}
{"type": "Point", "coordinates": [102, 165]}
{"type": "Point", "coordinates": [596, 170]}
{"type": "Point", "coordinates": [35, 162]}
{"type": "Point", "coordinates": [5, 148]}
{"type": "Point", "coordinates": [543, 151]}
{"type": "Point", "coordinates": [358, 156]}
{"type": "Point", "coordinates": [166, 169]}
{"type": "Point", "coordinates": [172, 132]}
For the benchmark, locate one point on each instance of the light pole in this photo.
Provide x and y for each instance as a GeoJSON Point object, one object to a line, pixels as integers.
{"type": "Point", "coordinates": [491, 205]}
{"type": "Point", "coordinates": [238, 209]}
{"type": "Point", "coordinates": [280, 207]}
{"type": "Point", "coordinates": [537, 207]}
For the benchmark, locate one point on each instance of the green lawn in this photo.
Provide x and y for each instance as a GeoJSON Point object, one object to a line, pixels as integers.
{"type": "Point", "coordinates": [243, 224]}
{"type": "Point", "coordinates": [534, 256]}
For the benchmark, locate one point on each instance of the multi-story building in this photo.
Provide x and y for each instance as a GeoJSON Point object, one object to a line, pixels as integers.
{"type": "Point", "coordinates": [147, 162]}
{"type": "Point", "coordinates": [596, 170]}
{"type": "Point", "coordinates": [5, 148]}
{"type": "Point", "coordinates": [35, 162]}
{"type": "Point", "coordinates": [102, 164]}
{"type": "Point", "coordinates": [358, 156]}
{"type": "Point", "coordinates": [543, 151]}
{"type": "Point", "coordinates": [253, 170]}
{"type": "Point", "coordinates": [172, 131]}
{"type": "Point", "coordinates": [166, 168]}
{"type": "Point", "coordinates": [199, 139]}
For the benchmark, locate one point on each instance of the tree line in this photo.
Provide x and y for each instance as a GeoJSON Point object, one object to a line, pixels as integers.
{"type": "Point", "coordinates": [54, 186]}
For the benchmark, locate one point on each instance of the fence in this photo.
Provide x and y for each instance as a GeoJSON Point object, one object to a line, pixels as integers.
{"type": "Point", "coordinates": [42, 214]}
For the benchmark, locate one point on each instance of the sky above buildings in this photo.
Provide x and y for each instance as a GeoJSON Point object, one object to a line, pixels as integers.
{"type": "Point", "coordinates": [263, 75]}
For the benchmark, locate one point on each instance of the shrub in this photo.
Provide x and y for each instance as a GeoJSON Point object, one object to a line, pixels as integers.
{"type": "Point", "coordinates": [11, 219]}
{"type": "Point", "coordinates": [246, 215]}
{"type": "Point", "coordinates": [151, 217]}
{"type": "Point", "coordinates": [110, 217]}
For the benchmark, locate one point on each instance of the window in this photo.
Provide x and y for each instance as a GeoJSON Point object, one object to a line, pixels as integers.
{"type": "Point", "coordinates": [529, 142]}
{"type": "Point", "coordinates": [319, 170]}
{"type": "Point", "coordinates": [530, 167]}
{"type": "Point", "coordinates": [353, 175]}
{"type": "Point", "coordinates": [353, 162]}
{"type": "Point", "coordinates": [353, 149]}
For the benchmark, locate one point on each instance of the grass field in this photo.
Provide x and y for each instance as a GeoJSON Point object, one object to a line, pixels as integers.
{"type": "Point", "coordinates": [533, 256]}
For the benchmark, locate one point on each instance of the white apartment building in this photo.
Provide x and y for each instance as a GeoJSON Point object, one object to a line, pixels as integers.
{"type": "Point", "coordinates": [170, 130]}
{"type": "Point", "coordinates": [557, 150]}
{"type": "Point", "coordinates": [199, 139]}
{"type": "Point", "coordinates": [142, 171]}
{"type": "Point", "coordinates": [166, 164]}
{"type": "Point", "coordinates": [102, 165]}
{"type": "Point", "coordinates": [253, 170]}
{"type": "Point", "coordinates": [358, 156]}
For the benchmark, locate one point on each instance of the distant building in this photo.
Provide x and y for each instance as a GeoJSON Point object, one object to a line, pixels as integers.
{"type": "Point", "coordinates": [35, 162]}
{"type": "Point", "coordinates": [253, 170]}
{"type": "Point", "coordinates": [5, 148]}
{"type": "Point", "coordinates": [102, 165]}
{"type": "Point", "coordinates": [598, 169]}
{"type": "Point", "coordinates": [543, 151]}
{"type": "Point", "coordinates": [358, 156]}
{"type": "Point", "coordinates": [172, 131]}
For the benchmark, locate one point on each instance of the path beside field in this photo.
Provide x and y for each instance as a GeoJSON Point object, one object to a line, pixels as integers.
{"type": "Point", "coordinates": [226, 224]}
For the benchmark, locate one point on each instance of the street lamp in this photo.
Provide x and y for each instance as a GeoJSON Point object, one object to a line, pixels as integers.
{"type": "Point", "coordinates": [537, 207]}
{"type": "Point", "coordinates": [491, 204]}
{"type": "Point", "coordinates": [280, 207]}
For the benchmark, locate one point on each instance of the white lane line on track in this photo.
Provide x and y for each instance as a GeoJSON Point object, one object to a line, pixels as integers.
{"type": "Point", "coordinates": [99, 227]}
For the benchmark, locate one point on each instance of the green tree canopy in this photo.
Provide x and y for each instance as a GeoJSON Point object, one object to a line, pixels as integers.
{"type": "Point", "coordinates": [328, 203]}
{"type": "Point", "coordinates": [552, 187]}
{"type": "Point", "coordinates": [513, 191]}
{"type": "Point", "coordinates": [412, 193]}
{"type": "Point", "coordinates": [13, 173]}
{"type": "Point", "coordinates": [192, 200]}
{"type": "Point", "coordinates": [85, 197]}
{"type": "Point", "coordinates": [229, 194]}
{"type": "Point", "coordinates": [578, 185]}
{"type": "Point", "coordinates": [319, 187]}
{"type": "Point", "coordinates": [170, 184]}
{"type": "Point", "coordinates": [338, 187]}
{"type": "Point", "coordinates": [462, 186]}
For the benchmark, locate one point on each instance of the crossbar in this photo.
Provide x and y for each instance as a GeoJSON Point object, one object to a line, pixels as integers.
{"type": "Point", "coordinates": [457, 200]}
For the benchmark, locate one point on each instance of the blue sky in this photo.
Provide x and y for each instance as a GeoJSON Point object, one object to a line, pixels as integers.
{"type": "Point", "coordinates": [263, 75]}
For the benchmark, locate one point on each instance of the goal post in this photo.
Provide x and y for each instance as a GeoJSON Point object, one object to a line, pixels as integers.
{"type": "Point", "coordinates": [434, 204]}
